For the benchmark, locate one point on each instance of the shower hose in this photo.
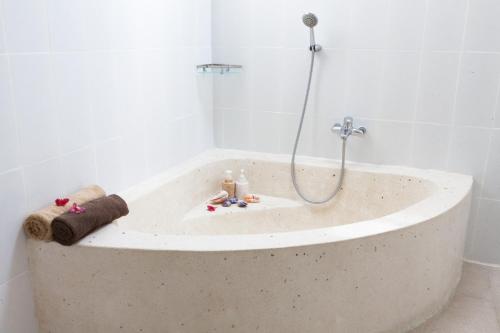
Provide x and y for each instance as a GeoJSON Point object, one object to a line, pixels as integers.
{"type": "Point", "coordinates": [297, 139]}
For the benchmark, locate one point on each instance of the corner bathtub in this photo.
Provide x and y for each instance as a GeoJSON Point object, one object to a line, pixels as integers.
{"type": "Point", "coordinates": [383, 256]}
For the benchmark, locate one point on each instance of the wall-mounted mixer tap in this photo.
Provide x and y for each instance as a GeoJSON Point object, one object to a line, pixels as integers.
{"type": "Point", "coordinates": [347, 129]}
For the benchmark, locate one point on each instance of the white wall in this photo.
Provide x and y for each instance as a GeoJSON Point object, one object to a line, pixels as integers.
{"type": "Point", "coordinates": [422, 76]}
{"type": "Point", "coordinates": [92, 91]}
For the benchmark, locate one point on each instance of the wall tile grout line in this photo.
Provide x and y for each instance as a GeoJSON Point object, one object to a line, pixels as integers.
{"type": "Point", "coordinates": [15, 277]}
{"type": "Point", "coordinates": [490, 199]}
{"type": "Point", "coordinates": [13, 105]}
{"type": "Point", "coordinates": [485, 168]}
{"type": "Point", "coordinates": [419, 83]}
{"type": "Point", "coordinates": [454, 115]}
{"type": "Point", "coordinates": [418, 122]}
{"type": "Point", "coordinates": [458, 78]}
{"type": "Point", "coordinates": [378, 50]}
{"type": "Point", "coordinates": [491, 130]}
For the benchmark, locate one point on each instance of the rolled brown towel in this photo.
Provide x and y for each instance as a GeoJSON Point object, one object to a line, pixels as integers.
{"type": "Point", "coordinates": [37, 225]}
{"type": "Point", "coordinates": [69, 228]}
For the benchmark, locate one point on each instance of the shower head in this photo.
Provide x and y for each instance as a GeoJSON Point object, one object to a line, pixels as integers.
{"type": "Point", "coordinates": [310, 20]}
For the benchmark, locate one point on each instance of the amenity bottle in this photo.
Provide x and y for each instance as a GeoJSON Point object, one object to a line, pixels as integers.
{"type": "Point", "coordinates": [228, 183]}
{"type": "Point", "coordinates": [242, 187]}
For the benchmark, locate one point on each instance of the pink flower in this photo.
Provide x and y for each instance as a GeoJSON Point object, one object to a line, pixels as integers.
{"type": "Point", "coordinates": [75, 209]}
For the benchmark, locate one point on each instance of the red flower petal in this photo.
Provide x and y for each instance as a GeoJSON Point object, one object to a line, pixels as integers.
{"type": "Point", "coordinates": [61, 202]}
{"type": "Point", "coordinates": [211, 208]}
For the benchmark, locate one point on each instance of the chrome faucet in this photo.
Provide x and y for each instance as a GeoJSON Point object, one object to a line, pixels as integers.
{"type": "Point", "coordinates": [347, 129]}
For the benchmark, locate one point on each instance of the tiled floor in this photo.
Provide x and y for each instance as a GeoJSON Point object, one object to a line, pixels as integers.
{"type": "Point", "coordinates": [476, 306]}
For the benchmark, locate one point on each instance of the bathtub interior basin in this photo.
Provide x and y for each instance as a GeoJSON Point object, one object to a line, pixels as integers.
{"type": "Point", "coordinates": [179, 205]}
{"type": "Point", "coordinates": [393, 238]}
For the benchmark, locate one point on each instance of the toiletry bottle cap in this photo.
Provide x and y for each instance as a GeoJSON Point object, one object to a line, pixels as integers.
{"type": "Point", "coordinates": [243, 178]}
{"type": "Point", "coordinates": [229, 175]}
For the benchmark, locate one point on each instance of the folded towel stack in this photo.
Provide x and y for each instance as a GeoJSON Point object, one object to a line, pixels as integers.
{"type": "Point", "coordinates": [37, 225]}
{"type": "Point", "coordinates": [69, 228]}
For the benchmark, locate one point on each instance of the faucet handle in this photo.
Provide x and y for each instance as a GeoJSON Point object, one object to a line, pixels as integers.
{"type": "Point", "coordinates": [336, 128]}
{"type": "Point", "coordinates": [360, 130]}
{"type": "Point", "coordinates": [346, 129]}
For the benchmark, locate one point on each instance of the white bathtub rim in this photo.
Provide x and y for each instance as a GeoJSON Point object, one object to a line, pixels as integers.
{"type": "Point", "coordinates": [214, 155]}
{"type": "Point", "coordinates": [116, 236]}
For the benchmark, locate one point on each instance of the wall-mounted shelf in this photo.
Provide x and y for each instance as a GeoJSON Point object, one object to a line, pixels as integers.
{"type": "Point", "coordinates": [219, 68]}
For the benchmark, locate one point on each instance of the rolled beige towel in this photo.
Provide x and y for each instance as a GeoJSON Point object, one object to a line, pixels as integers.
{"type": "Point", "coordinates": [37, 225]}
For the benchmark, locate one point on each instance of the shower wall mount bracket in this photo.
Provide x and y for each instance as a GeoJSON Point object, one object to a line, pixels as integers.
{"type": "Point", "coordinates": [219, 68]}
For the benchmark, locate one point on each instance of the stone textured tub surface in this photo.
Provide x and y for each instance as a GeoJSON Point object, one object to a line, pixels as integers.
{"type": "Point", "coordinates": [383, 256]}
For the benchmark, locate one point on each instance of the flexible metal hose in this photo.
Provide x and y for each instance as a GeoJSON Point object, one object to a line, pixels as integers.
{"type": "Point", "coordinates": [297, 139]}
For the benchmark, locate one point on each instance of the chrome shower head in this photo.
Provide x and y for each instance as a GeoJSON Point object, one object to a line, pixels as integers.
{"type": "Point", "coordinates": [310, 20]}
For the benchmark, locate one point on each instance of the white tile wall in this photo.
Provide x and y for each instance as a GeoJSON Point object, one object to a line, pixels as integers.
{"type": "Point", "coordinates": [2, 37]}
{"type": "Point", "coordinates": [32, 94]}
{"type": "Point", "coordinates": [469, 151]}
{"type": "Point", "coordinates": [365, 70]}
{"type": "Point", "coordinates": [67, 25]}
{"type": "Point", "coordinates": [109, 163]}
{"type": "Point", "coordinates": [430, 141]}
{"type": "Point", "coordinates": [483, 26]}
{"type": "Point", "coordinates": [405, 24]}
{"type": "Point", "coordinates": [78, 169]}
{"type": "Point", "coordinates": [92, 91]}
{"type": "Point", "coordinates": [487, 222]}
{"type": "Point", "coordinates": [478, 89]}
{"type": "Point", "coordinates": [233, 90]}
{"type": "Point", "coordinates": [267, 87]}
{"type": "Point", "coordinates": [13, 259]}
{"type": "Point", "coordinates": [17, 312]}
{"type": "Point", "coordinates": [233, 26]}
{"type": "Point", "coordinates": [423, 76]}
{"type": "Point", "coordinates": [238, 133]}
{"type": "Point", "coordinates": [72, 101]}
{"type": "Point", "coordinates": [9, 148]}
{"type": "Point", "coordinates": [497, 114]}
{"type": "Point", "coordinates": [448, 36]}
{"type": "Point", "coordinates": [264, 122]}
{"type": "Point", "coordinates": [398, 89]}
{"type": "Point", "coordinates": [100, 67]}
{"type": "Point", "coordinates": [328, 91]}
{"type": "Point", "coordinates": [97, 16]}
{"type": "Point", "coordinates": [26, 27]}
{"type": "Point", "coordinates": [491, 188]}
{"type": "Point", "coordinates": [268, 14]}
{"type": "Point", "coordinates": [369, 24]}
{"type": "Point", "coordinates": [43, 181]}
{"type": "Point", "coordinates": [436, 94]}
